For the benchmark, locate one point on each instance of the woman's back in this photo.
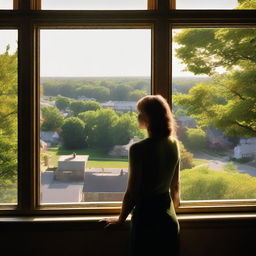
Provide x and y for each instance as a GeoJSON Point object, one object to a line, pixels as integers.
{"type": "Point", "coordinates": [155, 228]}
{"type": "Point", "coordinates": [158, 158]}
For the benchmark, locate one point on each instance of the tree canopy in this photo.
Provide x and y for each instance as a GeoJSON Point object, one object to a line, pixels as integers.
{"type": "Point", "coordinates": [8, 125]}
{"type": "Point", "coordinates": [227, 102]}
{"type": "Point", "coordinates": [62, 103]}
{"type": "Point", "coordinates": [73, 133]}
{"type": "Point", "coordinates": [79, 106]}
{"type": "Point", "coordinates": [52, 119]}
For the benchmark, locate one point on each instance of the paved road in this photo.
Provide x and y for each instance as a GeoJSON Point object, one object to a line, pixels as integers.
{"type": "Point", "coordinates": [218, 163]}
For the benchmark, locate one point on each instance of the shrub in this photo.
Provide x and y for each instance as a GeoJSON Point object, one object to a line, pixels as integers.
{"type": "Point", "coordinates": [195, 138]}
{"type": "Point", "coordinates": [186, 157]}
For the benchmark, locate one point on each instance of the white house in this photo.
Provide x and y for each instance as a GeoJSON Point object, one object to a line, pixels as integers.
{"type": "Point", "coordinates": [122, 150]}
{"type": "Point", "coordinates": [50, 137]}
{"type": "Point", "coordinates": [245, 148]}
{"type": "Point", "coordinates": [124, 106]}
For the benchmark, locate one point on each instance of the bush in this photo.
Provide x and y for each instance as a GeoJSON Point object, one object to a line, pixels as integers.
{"type": "Point", "coordinates": [195, 138]}
{"type": "Point", "coordinates": [202, 183]}
{"type": "Point", "coordinates": [186, 157]}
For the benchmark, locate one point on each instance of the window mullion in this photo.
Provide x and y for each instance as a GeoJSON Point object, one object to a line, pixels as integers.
{"type": "Point", "coordinates": [36, 4]}
{"type": "Point", "coordinates": [161, 59]}
{"type": "Point", "coordinates": [26, 106]}
{"type": "Point", "coordinates": [173, 4]}
{"type": "Point", "coordinates": [15, 4]}
{"type": "Point", "coordinates": [24, 5]}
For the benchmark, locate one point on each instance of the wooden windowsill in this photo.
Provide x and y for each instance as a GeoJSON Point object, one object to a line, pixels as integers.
{"type": "Point", "coordinates": [95, 218]}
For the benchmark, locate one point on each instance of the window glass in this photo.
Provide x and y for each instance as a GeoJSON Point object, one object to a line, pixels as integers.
{"type": "Point", "coordinates": [90, 83]}
{"type": "Point", "coordinates": [94, 4]}
{"type": "Point", "coordinates": [214, 88]}
{"type": "Point", "coordinates": [216, 4]}
{"type": "Point", "coordinates": [8, 116]}
{"type": "Point", "coordinates": [6, 4]}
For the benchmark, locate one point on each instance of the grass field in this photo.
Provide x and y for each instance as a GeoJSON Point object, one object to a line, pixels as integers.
{"type": "Point", "coordinates": [197, 162]}
{"type": "Point", "coordinates": [97, 159]}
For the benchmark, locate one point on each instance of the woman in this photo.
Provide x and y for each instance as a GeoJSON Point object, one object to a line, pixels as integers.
{"type": "Point", "coordinates": [153, 174]}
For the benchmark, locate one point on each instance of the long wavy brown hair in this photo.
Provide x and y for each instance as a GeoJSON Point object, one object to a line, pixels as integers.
{"type": "Point", "coordinates": [154, 110]}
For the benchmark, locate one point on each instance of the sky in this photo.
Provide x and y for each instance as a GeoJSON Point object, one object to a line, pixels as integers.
{"type": "Point", "coordinates": [126, 4]}
{"type": "Point", "coordinates": [95, 4]}
{"type": "Point", "coordinates": [115, 52]}
{"type": "Point", "coordinates": [109, 52]}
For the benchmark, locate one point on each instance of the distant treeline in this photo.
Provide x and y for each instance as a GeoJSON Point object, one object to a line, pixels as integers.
{"type": "Point", "coordinates": [114, 88]}
{"type": "Point", "coordinates": [184, 84]}
{"type": "Point", "coordinates": [100, 89]}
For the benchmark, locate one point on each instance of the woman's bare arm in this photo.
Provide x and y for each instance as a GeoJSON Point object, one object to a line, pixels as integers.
{"type": "Point", "coordinates": [175, 186]}
{"type": "Point", "coordinates": [134, 182]}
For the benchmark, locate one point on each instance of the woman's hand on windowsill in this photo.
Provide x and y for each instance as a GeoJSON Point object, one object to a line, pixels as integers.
{"type": "Point", "coordinates": [112, 223]}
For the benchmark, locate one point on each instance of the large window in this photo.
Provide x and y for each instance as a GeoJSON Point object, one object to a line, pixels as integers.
{"type": "Point", "coordinates": [8, 116]}
{"type": "Point", "coordinates": [91, 80]}
{"type": "Point", "coordinates": [78, 72]}
{"type": "Point", "coordinates": [214, 104]}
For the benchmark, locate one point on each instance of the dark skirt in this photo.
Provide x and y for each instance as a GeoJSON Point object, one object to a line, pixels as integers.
{"type": "Point", "coordinates": [154, 227]}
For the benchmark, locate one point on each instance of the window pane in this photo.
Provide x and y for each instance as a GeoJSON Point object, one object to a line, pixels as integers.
{"type": "Point", "coordinates": [214, 88]}
{"type": "Point", "coordinates": [6, 4]}
{"type": "Point", "coordinates": [90, 83]}
{"type": "Point", "coordinates": [94, 4]}
{"type": "Point", "coordinates": [216, 4]}
{"type": "Point", "coordinates": [8, 116]}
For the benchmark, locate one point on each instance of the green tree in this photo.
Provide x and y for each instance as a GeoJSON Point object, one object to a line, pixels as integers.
{"type": "Point", "coordinates": [8, 127]}
{"type": "Point", "coordinates": [62, 103]}
{"type": "Point", "coordinates": [228, 101]}
{"type": "Point", "coordinates": [79, 106]}
{"type": "Point", "coordinates": [136, 95]}
{"type": "Point", "coordinates": [99, 93]}
{"type": "Point", "coordinates": [120, 92]}
{"type": "Point", "coordinates": [126, 128]}
{"type": "Point", "coordinates": [105, 128]}
{"type": "Point", "coordinates": [52, 119]}
{"type": "Point", "coordinates": [72, 134]}
{"type": "Point", "coordinates": [142, 85]}
{"type": "Point", "coordinates": [103, 135]}
{"type": "Point", "coordinates": [99, 126]}
{"type": "Point", "coordinates": [92, 105]}
{"type": "Point", "coordinates": [50, 88]}
{"type": "Point", "coordinates": [247, 4]}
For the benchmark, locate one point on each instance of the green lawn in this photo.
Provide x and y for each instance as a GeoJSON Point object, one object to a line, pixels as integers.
{"type": "Point", "coordinates": [97, 158]}
{"type": "Point", "coordinates": [197, 162]}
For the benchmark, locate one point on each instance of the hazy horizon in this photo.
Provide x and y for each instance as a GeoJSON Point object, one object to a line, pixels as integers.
{"type": "Point", "coordinates": [174, 76]}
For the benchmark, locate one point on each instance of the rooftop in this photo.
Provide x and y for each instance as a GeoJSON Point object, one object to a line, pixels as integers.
{"type": "Point", "coordinates": [109, 180]}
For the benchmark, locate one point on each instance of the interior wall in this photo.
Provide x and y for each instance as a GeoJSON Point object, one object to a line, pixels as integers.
{"type": "Point", "coordinates": [89, 238]}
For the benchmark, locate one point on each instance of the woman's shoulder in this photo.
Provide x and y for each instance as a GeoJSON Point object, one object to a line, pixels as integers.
{"type": "Point", "coordinates": [173, 140]}
{"type": "Point", "coordinates": [142, 144]}
{"type": "Point", "coordinates": [139, 144]}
